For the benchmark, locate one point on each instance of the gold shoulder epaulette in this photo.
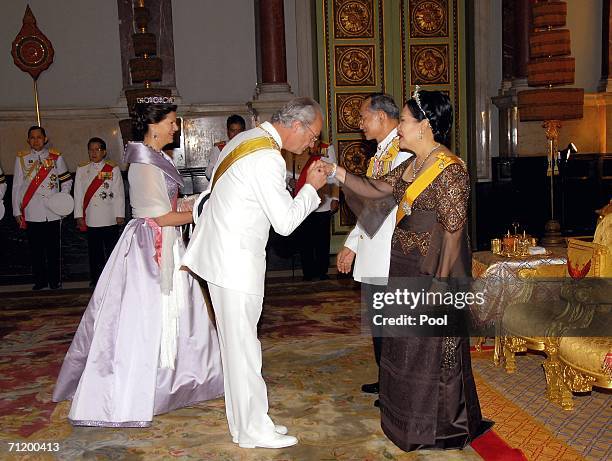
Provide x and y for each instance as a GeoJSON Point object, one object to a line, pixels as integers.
{"type": "Point", "coordinates": [22, 153]}
{"type": "Point", "coordinates": [55, 151]}
{"type": "Point", "coordinates": [85, 163]}
{"type": "Point", "coordinates": [111, 163]}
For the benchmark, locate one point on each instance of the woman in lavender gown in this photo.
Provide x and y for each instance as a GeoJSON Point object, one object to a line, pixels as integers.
{"type": "Point", "coordinates": [146, 344]}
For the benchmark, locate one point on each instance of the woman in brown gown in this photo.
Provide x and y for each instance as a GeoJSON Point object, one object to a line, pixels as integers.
{"type": "Point", "coordinates": [428, 396]}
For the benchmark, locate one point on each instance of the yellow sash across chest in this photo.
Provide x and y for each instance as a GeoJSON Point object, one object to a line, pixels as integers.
{"type": "Point", "coordinates": [422, 181]}
{"type": "Point", "coordinates": [250, 146]}
{"type": "Point", "coordinates": [381, 166]}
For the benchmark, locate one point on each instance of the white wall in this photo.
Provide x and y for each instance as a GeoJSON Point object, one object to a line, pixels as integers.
{"type": "Point", "coordinates": [86, 70]}
{"type": "Point", "coordinates": [584, 23]}
{"type": "Point", "coordinates": [214, 49]}
{"type": "Point", "coordinates": [291, 46]}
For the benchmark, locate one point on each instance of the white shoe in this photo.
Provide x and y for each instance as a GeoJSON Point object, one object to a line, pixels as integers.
{"type": "Point", "coordinates": [276, 441]}
{"type": "Point", "coordinates": [278, 428]}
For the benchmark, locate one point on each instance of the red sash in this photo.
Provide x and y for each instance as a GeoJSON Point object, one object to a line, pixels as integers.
{"type": "Point", "coordinates": [41, 175]}
{"type": "Point", "coordinates": [92, 189]}
{"type": "Point", "coordinates": [302, 179]}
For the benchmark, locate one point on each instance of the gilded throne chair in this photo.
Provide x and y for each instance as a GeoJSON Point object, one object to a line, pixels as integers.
{"type": "Point", "coordinates": [564, 311]}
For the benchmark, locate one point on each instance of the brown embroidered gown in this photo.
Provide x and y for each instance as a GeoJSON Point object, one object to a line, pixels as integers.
{"type": "Point", "coordinates": [427, 396]}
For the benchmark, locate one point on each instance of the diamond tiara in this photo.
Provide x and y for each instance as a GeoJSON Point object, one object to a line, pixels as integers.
{"type": "Point", "coordinates": [416, 97]}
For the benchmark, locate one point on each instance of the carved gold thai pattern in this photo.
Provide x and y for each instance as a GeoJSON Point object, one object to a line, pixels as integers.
{"type": "Point", "coordinates": [354, 19]}
{"type": "Point", "coordinates": [360, 54]}
{"type": "Point", "coordinates": [428, 18]}
{"type": "Point", "coordinates": [347, 111]}
{"type": "Point", "coordinates": [429, 64]}
{"type": "Point", "coordinates": [353, 156]}
{"type": "Point", "coordinates": [355, 65]}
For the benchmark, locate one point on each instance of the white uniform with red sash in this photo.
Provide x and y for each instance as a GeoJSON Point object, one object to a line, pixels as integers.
{"type": "Point", "coordinates": [50, 175]}
{"type": "Point", "coordinates": [102, 185]}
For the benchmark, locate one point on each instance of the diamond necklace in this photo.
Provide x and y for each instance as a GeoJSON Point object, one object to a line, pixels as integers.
{"type": "Point", "coordinates": [415, 169]}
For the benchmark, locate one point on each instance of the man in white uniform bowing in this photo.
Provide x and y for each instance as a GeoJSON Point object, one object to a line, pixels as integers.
{"type": "Point", "coordinates": [227, 249]}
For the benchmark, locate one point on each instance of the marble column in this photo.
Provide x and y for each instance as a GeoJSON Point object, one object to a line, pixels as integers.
{"type": "Point", "coordinates": [516, 26]}
{"type": "Point", "coordinates": [273, 84]}
{"type": "Point", "coordinates": [508, 45]}
{"type": "Point", "coordinates": [605, 85]}
{"type": "Point", "coordinates": [522, 28]}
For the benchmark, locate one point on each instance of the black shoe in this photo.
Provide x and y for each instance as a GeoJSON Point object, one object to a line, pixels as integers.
{"type": "Point", "coordinates": [38, 287]}
{"type": "Point", "coordinates": [55, 286]}
{"type": "Point", "coordinates": [324, 277]}
{"type": "Point", "coordinates": [307, 279]}
{"type": "Point", "coordinates": [370, 388]}
{"type": "Point", "coordinates": [377, 403]}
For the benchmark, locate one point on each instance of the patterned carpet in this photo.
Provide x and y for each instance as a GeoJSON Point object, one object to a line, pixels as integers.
{"type": "Point", "coordinates": [314, 362]}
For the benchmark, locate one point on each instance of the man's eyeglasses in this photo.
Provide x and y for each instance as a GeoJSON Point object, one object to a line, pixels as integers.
{"type": "Point", "coordinates": [315, 137]}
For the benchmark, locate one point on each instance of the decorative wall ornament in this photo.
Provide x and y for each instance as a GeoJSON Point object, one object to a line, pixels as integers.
{"type": "Point", "coordinates": [429, 64]}
{"type": "Point", "coordinates": [32, 52]}
{"type": "Point", "coordinates": [354, 156]}
{"type": "Point", "coordinates": [355, 65]}
{"type": "Point", "coordinates": [347, 111]}
{"type": "Point", "coordinates": [353, 19]}
{"type": "Point", "coordinates": [429, 18]}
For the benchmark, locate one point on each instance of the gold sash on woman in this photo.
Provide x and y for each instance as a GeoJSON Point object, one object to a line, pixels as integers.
{"type": "Point", "coordinates": [420, 184]}
{"type": "Point", "coordinates": [250, 146]}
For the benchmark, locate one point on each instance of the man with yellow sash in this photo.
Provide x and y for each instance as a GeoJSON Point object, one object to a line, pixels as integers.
{"type": "Point", "coordinates": [99, 205]}
{"type": "Point", "coordinates": [247, 195]}
{"type": "Point", "coordinates": [379, 120]}
{"type": "Point", "coordinates": [39, 174]}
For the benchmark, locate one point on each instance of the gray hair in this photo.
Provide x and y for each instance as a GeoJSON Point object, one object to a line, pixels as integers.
{"type": "Point", "coordinates": [384, 102]}
{"type": "Point", "coordinates": [303, 110]}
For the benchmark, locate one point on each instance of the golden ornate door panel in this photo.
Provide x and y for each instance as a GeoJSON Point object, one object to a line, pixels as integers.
{"type": "Point", "coordinates": [368, 46]}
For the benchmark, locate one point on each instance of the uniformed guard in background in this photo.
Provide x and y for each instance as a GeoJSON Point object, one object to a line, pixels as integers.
{"type": "Point", "coordinates": [99, 205]}
{"type": "Point", "coordinates": [39, 174]}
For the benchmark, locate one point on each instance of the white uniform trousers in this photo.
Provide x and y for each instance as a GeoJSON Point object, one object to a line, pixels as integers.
{"type": "Point", "coordinates": [246, 397]}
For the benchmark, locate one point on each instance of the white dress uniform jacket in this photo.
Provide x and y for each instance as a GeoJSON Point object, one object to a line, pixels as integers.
{"type": "Point", "coordinates": [228, 245]}
{"type": "Point", "coordinates": [107, 203]}
{"type": "Point", "coordinates": [373, 255]}
{"type": "Point", "coordinates": [26, 166]}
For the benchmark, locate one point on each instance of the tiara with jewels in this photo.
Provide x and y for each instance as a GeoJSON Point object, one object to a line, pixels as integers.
{"type": "Point", "coordinates": [156, 100]}
{"type": "Point", "coordinates": [416, 97]}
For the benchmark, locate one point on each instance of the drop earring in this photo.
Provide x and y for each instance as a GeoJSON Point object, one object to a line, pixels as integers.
{"type": "Point", "coordinates": [420, 134]}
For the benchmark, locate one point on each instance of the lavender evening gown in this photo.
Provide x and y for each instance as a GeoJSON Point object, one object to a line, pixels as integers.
{"type": "Point", "coordinates": [112, 370]}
